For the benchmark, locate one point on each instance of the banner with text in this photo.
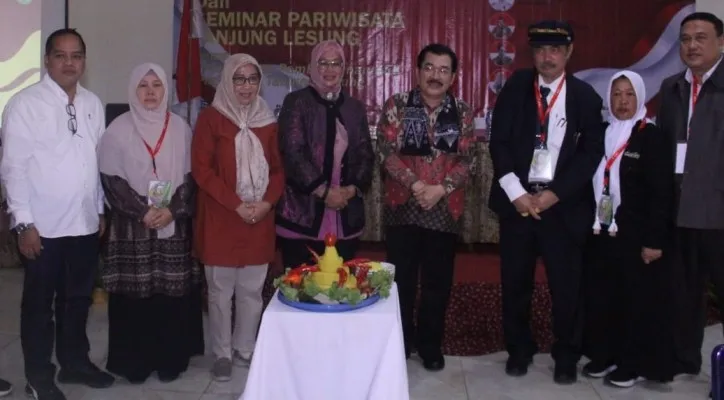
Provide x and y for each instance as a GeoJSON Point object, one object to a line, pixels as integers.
{"type": "Point", "coordinates": [383, 37]}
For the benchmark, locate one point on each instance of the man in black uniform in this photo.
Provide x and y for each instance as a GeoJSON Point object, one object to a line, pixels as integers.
{"type": "Point", "coordinates": [546, 143]}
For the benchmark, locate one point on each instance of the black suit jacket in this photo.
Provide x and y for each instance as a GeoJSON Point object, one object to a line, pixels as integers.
{"type": "Point", "coordinates": [647, 189]}
{"type": "Point", "coordinates": [513, 135]}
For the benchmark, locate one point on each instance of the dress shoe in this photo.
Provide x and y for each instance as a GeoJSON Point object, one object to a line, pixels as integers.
{"type": "Point", "coordinates": [565, 373]}
{"type": "Point", "coordinates": [434, 362]}
{"type": "Point", "coordinates": [517, 366]}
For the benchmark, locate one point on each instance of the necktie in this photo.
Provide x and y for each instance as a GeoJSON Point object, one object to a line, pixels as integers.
{"type": "Point", "coordinates": [544, 92]}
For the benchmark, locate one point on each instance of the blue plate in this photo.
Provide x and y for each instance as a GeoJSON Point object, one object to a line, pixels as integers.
{"type": "Point", "coordinates": [329, 308]}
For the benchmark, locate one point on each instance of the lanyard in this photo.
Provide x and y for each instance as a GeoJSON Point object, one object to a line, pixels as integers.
{"type": "Point", "coordinates": [612, 159]}
{"type": "Point", "coordinates": [695, 87]}
{"type": "Point", "coordinates": [543, 115]}
{"type": "Point", "coordinates": [154, 152]}
{"type": "Point", "coordinates": [694, 91]}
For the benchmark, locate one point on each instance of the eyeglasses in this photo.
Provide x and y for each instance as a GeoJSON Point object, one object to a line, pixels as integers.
{"type": "Point", "coordinates": [429, 68]}
{"type": "Point", "coordinates": [242, 80]}
{"type": "Point", "coordinates": [72, 122]}
{"type": "Point", "coordinates": [324, 64]}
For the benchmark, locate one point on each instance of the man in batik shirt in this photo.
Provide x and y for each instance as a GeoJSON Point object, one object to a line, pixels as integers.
{"type": "Point", "coordinates": [425, 140]}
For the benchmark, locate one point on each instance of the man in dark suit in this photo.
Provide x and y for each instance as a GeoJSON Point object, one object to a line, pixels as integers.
{"type": "Point", "coordinates": [692, 116]}
{"type": "Point", "coordinates": [546, 143]}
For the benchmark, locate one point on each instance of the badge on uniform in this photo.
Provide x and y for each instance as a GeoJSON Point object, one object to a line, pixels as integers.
{"type": "Point", "coordinates": [159, 193]}
{"type": "Point", "coordinates": [541, 168]}
{"type": "Point", "coordinates": [605, 210]}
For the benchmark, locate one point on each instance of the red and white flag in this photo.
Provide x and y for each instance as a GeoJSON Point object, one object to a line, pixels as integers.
{"type": "Point", "coordinates": [188, 62]}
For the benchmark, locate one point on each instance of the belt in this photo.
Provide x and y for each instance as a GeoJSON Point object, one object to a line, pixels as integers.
{"type": "Point", "coordinates": [536, 187]}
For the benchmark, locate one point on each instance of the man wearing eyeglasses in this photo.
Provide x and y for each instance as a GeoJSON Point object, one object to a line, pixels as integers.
{"type": "Point", "coordinates": [425, 137]}
{"type": "Point", "coordinates": [49, 169]}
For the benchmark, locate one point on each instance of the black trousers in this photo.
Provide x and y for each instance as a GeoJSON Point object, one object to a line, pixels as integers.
{"type": "Point", "coordinates": [296, 251]}
{"type": "Point", "coordinates": [64, 273]}
{"type": "Point", "coordinates": [699, 256]}
{"type": "Point", "coordinates": [522, 240]}
{"type": "Point", "coordinates": [429, 256]}
{"type": "Point", "coordinates": [627, 308]}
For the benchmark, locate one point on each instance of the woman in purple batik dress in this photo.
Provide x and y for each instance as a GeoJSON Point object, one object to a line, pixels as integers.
{"type": "Point", "coordinates": [328, 158]}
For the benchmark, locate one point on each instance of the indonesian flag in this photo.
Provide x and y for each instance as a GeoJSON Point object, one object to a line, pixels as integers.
{"type": "Point", "coordinates": [188, 62]}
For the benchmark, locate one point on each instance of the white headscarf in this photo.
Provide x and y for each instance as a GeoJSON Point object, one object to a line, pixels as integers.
{"type": "Point", "coordinates": [252, 169]}
{"type": "Point", "coordinates": [617, 134]}
{"type": "Point", "coordinates": [122, 153]}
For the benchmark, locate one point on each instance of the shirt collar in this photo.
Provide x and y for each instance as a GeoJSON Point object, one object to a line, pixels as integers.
{"type": "Point", "coordinates": [58, 91]}
{"type": "Point", "coordinates": [690, 75]}
{"type": "Point", "coordinates": [551, 85]}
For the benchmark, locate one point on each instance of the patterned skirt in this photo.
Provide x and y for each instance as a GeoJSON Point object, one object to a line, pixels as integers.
{"type": "Point", "coordinates": [137, 264]}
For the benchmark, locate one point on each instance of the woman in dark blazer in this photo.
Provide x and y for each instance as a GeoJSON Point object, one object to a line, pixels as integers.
{"type": "Point", "coordinates": [328, 158]}
{"type": "Point", "coordinates": [626, 287]}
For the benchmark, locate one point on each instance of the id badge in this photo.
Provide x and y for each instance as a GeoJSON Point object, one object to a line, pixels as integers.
{"type": "Point", "coordinates": [605, 210]}
{"type": "Point", "coordinates": [159, 193]}
{"type": "Point", "coordinates": [541, 168]}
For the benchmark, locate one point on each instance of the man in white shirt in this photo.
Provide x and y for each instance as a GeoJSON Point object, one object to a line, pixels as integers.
{"type": "Point", "coordinates": [691, 117]}
{"type": "Point", "coordinates": [49, 169]}
{"type": "Point", "coordinates": [546, 142]}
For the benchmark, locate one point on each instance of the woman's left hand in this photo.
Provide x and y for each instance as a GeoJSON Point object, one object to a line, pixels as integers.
{"type": "Point", "coordinates": [259, 211]}
{"type": "Point", "coordinates": [650, 255]}
{"type": "Point", "coordinates": [162, 219]}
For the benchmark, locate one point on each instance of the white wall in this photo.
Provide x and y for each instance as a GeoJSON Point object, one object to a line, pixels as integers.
{"type": "Point", "coordinates": [120, 34]}
{"type": "Point", "coordinates": [52, 19]}
{"type": "Point", "coordinates": [713, 6]}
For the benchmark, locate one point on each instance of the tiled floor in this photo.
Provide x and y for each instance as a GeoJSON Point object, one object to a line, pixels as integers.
{"type": "Point", "coordinates": [478, 378]}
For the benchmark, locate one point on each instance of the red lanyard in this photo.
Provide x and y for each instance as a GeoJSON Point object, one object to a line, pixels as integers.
{"type": "Point", "coordinates": [543, 115]}
{"type": "Point", "coordinates": [695, 85]}
{"type": "Point", "coordinates": [154, 152]}
{"type": "Point", "coordinates": [612, 159]}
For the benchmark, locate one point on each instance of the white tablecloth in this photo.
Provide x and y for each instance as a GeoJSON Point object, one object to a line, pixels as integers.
{"type": "Point", "coordinates": [354, 355]}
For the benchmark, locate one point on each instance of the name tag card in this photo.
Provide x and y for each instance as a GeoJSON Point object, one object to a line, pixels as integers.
{"type": "Point", "coordinates": [680, 158]}
{"type": "Point", "coordinates": [605, 210]}
{"type": "Point", "coordinates": [541, 168]}
{"type": "Point", "coordinates": [159, 193]}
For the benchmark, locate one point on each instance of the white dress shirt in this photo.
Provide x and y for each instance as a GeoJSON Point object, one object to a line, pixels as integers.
{"type": "Point", "coordinates": [510, 182]}
{"type": "Point", "coordinates": [51, 175]}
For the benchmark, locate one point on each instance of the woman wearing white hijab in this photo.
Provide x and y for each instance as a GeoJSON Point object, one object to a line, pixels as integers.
{"type": "Point", "coordinates": [154, 309]}
{"type": "Point", "coordinates": [625, 335]}
{"type": "Point", "coordinates": [236, 163]}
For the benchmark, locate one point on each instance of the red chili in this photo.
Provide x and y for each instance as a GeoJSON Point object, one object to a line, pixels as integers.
{"type": "Point", "coordinates": [304, 268]}
{"type": "Point", "coordinates": [342, 277]}
{"type": "Point", "coordinates": [362, 272]}
{"type": "Point", "coordinates": [357, 261]}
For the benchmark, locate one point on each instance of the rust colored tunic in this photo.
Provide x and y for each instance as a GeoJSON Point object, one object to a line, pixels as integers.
{"type": "Point", "coordinates": [222, 238]}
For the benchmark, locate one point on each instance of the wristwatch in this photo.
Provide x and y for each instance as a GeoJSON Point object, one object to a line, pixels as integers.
{"type": "Point", "coordinates": [23, 227]}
